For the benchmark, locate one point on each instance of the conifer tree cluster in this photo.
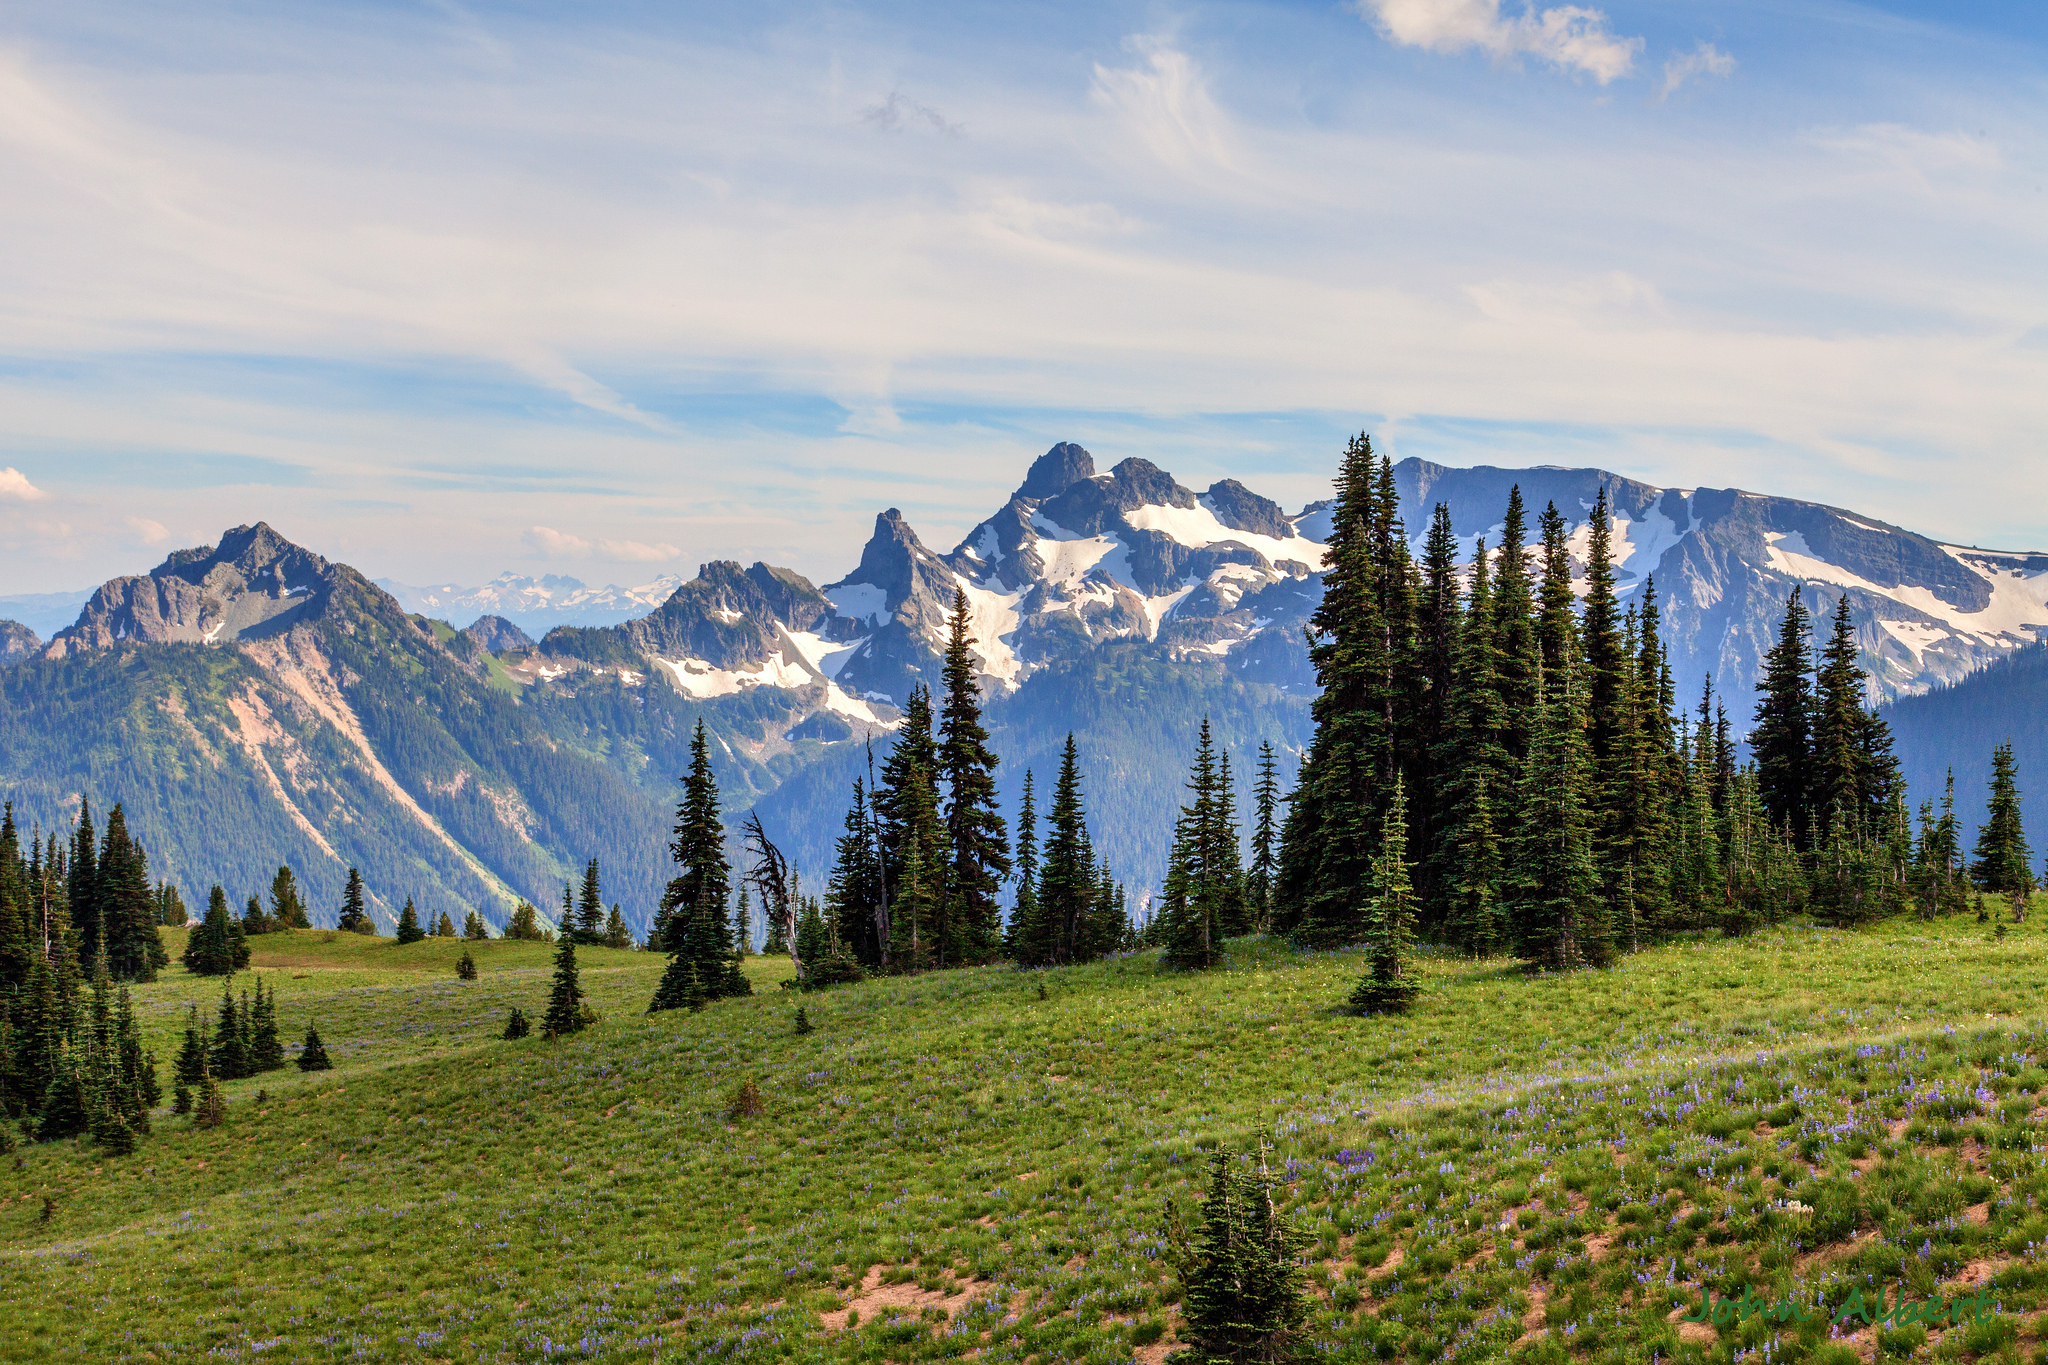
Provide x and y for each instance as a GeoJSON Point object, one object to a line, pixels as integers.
{"type": "Point", "coordinates": [220, 945]}
{"type": "Point", "coordinates": [925, 852]}
{"type": "Point", "coordinates": [240, 1041]}
{"type": "Point", "coordinates": [71, 1054]}
{"type": "Point", "coordinates": [1553, 804]}
{"type": "Point", "coordinates": [1070, 908]}
{"type": "Point", "coordinates": [1244, 1298]}
{"type": "Point", "coordinates": [693, 924]}
{"type": "Point", "coordinates": [1204, 900]}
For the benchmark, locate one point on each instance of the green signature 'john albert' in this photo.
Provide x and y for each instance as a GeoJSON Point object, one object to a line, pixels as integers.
{"type": "Point", "coordinates": [1855, 1308]}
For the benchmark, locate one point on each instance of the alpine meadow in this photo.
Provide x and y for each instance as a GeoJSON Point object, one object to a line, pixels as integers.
{"type": "Point", "coordinates": [867, 682]}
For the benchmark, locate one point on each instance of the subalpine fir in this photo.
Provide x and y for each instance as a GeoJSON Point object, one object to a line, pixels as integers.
{"type": "Point", "coordinates": [916, 853]}
{"type": "Point", "coordinates": [1390, 986]}
{"type": "Point", "coordinates": [565, 993]}
{"type": "Point", "coordinates": [354, 916]}
{"type": "Point", "coordinates": [1332, 829]}
{"type": "Point", "coordinates": [409, 930]}
{"type": "Point", "coordinates": [975, 835]}
{"type": "Point", "coordinates": [692, 919]}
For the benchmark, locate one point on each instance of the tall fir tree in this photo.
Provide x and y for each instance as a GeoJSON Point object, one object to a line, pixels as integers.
{"type": "Point", "coordinates": [1332, 826]}
{"type": "Point", "coordinates": [287, 904]}
{"type": "Point", "coordinates": [1553, 886]}
{"type": "Point", "coordinates": [1389, 986]}
{"type": "Point", "coordinates": [977, 839]}
{"type": "Point", "coordinates": [1024, 909]}
{"type": "Point", "coordinates": [565, 993]}
{"type": "Point", "coordinates": [354, 916]}
{"type": "Point", "coordinates": [409, 930]}
{"type": "Point", "coordinates": [1265, 830]}
{"type": "Point", "coordinates": [590, 907]}
{"type": "Point", "coordinates": [702, 890]}
{"type": "Point", "coordinates": [914, 843]}
{"type": "Point", "coordinates": [1065, 877]}
{"type": "Point", "coordinates": [1782, 741]}
{"type": "Point", "coordinates": [2003, 861]}
{"type": "Point", "coordinates": [853, 889]}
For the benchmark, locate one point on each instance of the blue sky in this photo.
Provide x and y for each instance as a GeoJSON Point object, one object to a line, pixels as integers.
{"type": "Point", "coordinates": [612, 290]}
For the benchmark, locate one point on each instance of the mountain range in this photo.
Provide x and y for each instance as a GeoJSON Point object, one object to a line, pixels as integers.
{"type": "Point", "coordinates": [251, 702]}
{"type": "Point", "coordinates": [535, 605]}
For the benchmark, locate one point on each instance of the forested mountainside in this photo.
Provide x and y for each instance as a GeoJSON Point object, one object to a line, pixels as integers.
{"type": "Point", "coordinates": [253, 703]}
{"type": "Point", "coordinates": [1956, 727]}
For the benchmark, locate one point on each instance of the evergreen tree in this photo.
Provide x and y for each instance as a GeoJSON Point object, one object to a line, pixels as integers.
{"type": "Point", "coordinates": [1187, 917]}
{"type": "Point", "coordinates": [188, 1068]}
{"type": "Point", "coordinates": [916, 857]}
{"type": "Point", "coordinates": [617, 935]}
{"type": "Point", "coordinates": [354, 918]}
{"type": "Point", "coordinates": [1264, 865]}
{"type": "Point", "coordinates": [170, 906]}
{"type": "Point", "coordinates": [1473, 765]}
{"type": "Point", "coordinates": [229, 1059]}
{"type": "Point", "coordinates": [2003, 862]}
{"type": "Point", "coordinates": [444, 927]}
{"type": "Point", "coordinates": [1783, 738]}
{"type": "Point", "coordinates": [217, 947]}
{"type": "Point", "coordinates": [1553, 886]}
{"type": "Point", "coordinates": [254, 921]}
{"type": "Point", "coordinates": [1243, 1298]}
{"type": "Point", "coordinates": [565, 996]}
{"type": "Point", "coordinates": [1390, 987]}
{"type": "Point", "coordinates": [465, 967]}
{"type": "Point", "coordinates": [313, 1053]}
{"type": "Point", "coordinates": [516, 1026]}
{"type": "Point", "coordinates": [81, 890]}
{"type": "Point", "coordinates": [1518, 657]}
{"type": "Point", "coordinates": [126, 906]}
{"type": "Point", "coordinates": [853, 890]}
{"type": "Point", "coordinates": [1226, 864]}
{"type": "Point", "coordinates": [1065, 878]}
{"type": "Point", "coordinates": [523, 924]}
{"type": "Point", "coordinates": [1025, 910]}
{"type": "Point", "coordinates": [266, 1052]}
{"type": "Point", "coordinates": [409, 930]}
{"type": "Point", "coordinates": [1438, 619]}
{"type": "Point", "coordinates": [474, 929]}
{"type": "Point", "coordinates": [590, 908]}
{"type": "Point", "coordinates": [703, 888]}
{"type": "Point", "coordinates": [287, 906]}
{"type": "Point", "coordinates": [1835, 778]}
{"type": "Point", "coordinates": [975, 835]}
{"type": "Point", "coordinates": [1332, 825]}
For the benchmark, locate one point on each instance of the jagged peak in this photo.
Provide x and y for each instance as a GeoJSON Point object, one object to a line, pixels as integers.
{"type": "Point", "coordinates": [1054, 472]}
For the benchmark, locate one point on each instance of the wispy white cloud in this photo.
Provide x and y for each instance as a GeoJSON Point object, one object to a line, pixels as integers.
{"type": "Point", "coordinates": [679, 278]}
{"type": "Point", "coordinates": [147, 531]}
{"type": "Point", "coordinates": [15, 487]}
{"type": "Point", "coordinates": [1704, 60]}
{"type": "Point", "coordinates": [1569, 37]}
{"type": "Point", "coordinates": [1165, 100]}
{"type": "Point", "coordinates": [547, 543]}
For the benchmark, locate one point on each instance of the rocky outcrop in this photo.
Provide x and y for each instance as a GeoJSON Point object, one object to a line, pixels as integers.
{"type": "Point", "coordinates": [255, 582]}
{"type": "Point", "coordinates": [496, 635]}
{"type": "Point", "coordinates": [17, 642]}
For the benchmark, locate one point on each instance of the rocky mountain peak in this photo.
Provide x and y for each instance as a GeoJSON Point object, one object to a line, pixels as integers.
{"type": "Point", "coordinates": [253, 582]}
{"type": "Point", "coordinates": [1054, 472]}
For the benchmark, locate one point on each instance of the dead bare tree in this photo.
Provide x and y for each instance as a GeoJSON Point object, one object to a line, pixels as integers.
{"type": "Point", "coordinates": [769, 875]}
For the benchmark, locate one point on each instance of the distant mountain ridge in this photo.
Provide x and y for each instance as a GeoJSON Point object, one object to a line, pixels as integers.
{"type": "Point", "coordinates": [254, 702]}
{"type": "Point", "coordinates": [535, 605]}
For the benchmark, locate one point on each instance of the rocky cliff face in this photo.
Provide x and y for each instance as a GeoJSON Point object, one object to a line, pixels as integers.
{"type": "Point", "coordinates": [17, 642]}
{"type": "Point", "coordinates": [254, 582]}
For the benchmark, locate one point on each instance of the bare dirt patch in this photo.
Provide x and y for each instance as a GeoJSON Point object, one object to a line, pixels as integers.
{"type": "Point", "coordinates": [873, 1296]}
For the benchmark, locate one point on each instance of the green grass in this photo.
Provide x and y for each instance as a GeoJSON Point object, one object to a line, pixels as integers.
{"type": "Point", "coordinates": [443, 1195]}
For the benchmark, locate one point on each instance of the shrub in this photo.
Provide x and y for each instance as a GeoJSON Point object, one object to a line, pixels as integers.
{"type": "Point", "coordinates": [745, 1102]}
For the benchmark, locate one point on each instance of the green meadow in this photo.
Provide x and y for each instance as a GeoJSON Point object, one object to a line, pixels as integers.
{"type": "Point", "coordinates": [977, 1164]}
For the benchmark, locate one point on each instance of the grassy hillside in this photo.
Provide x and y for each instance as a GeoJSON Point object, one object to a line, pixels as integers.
{"type": "Point", "coordinates": [1547, 1168]}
